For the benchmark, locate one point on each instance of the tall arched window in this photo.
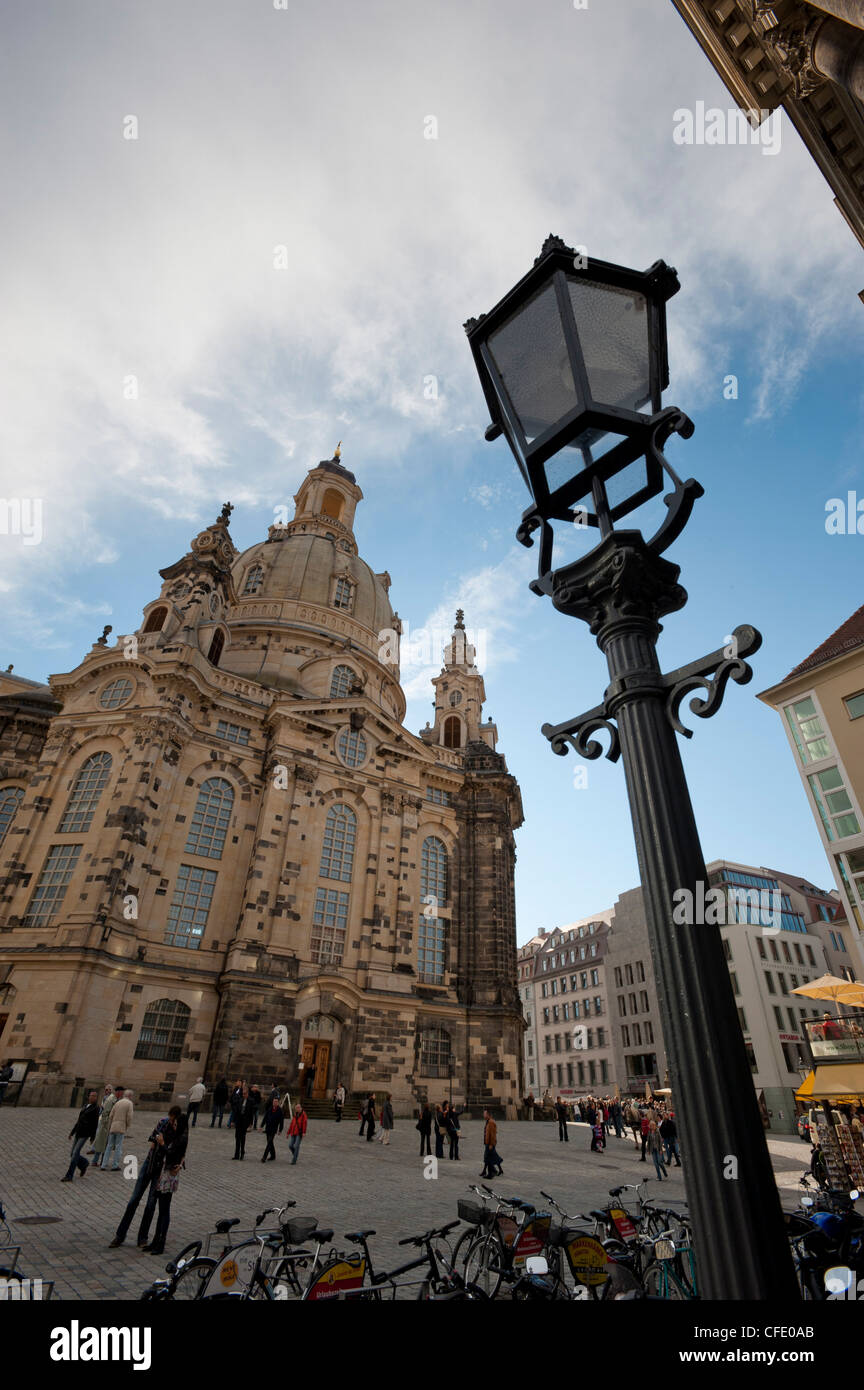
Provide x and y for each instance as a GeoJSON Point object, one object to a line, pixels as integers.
{"type": "Point", "coordinates": [433, 871]}
{"type": "Point", "coordinates": [10, 799]}
{"type": "Point", "coordinates": [211, 819]}
{"type": "Point", "coordinates": [452, 732]}
{"type": "Point", "coordinates": [85, 794]}
{"type": "Point", "coordinates": [254, 579]}
{"type": "Point", "coordinates": [435, 1052]}
{"type": "Point", "coordinates": [343, 594]}
{"type": "Point", "coordinates": [163, 1032]}
{"type": "Point", "coordinates": [332, 504]}
{"type": "Point", "coordinates": [337, 852]}
{"type": "Point", "coordinates": [216, 647]}
{"type": "Point", "coordinates": [341, 681]}
{"type": "Point", "coordinates": [155, 621]}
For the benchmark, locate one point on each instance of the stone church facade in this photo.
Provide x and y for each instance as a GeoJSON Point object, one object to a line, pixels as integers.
{"type": "Point", "coordinates": [222, 853]}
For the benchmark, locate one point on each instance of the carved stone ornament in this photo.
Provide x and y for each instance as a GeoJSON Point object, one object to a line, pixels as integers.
{"type": "Point", "coordinates": [793, 43]}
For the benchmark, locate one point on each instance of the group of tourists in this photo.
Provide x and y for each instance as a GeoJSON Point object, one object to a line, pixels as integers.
{"type": "Point", "coordinates": [248, 1106]}
{"type": "Point", "coordinates": [103, 1124]}
{"type": "Point", "coordinates": [367, 1118]}
{"type": "Point", "coordinates": [444, 1120]}
{"type": "Point", "coordinates": [651, 1122]}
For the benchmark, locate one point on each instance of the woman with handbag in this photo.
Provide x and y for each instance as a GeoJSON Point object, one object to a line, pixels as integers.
{"type": "Point", "coordinates": [166, 1184]}
{"type": "Point", "coordinates": [424, 1126]}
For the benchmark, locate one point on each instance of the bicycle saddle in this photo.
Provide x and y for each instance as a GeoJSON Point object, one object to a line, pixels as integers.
{"type": "Point", "coordinates": [598, 1215]}
{"type": "Point", "coordinates": [223, 1226]}
{"type": "Point", "coordinates": [615, 1191]}
{"type": "Point", "coordinates": [358, 1235]}
{"type": "Point", "coordinates": [324, 1236]}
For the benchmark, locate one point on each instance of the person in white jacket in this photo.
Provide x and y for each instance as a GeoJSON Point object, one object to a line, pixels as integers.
{"type": "Point", "coordinates": [118, 1127]}
{"type": "Point", "coordinates": [196, 1095]}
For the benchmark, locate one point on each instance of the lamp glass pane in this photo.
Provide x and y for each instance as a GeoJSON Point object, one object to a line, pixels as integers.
{"type": "Point", "coordinates": [531, 355]}
{"type": "Point", "coordinates": [613, 332]}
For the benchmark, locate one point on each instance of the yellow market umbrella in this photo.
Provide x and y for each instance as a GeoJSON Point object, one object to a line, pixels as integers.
{"type": "Point", "coordinates": [833, 988]}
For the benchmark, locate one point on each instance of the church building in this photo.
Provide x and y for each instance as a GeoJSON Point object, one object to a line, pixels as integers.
{"type": "Point", "coordinates": [223, 854]}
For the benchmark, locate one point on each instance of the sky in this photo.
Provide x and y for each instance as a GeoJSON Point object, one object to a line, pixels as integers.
{"type": "Point", "coordinates": [313, 201]}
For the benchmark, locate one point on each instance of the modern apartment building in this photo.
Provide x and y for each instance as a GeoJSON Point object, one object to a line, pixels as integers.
{"type": "Point", "coordinates": [639, 1055]}
{"type": "Point", "coordinates": [574, 1043]}
{"type": "Point", "coordinates": [773, 945]}
{"type": "Point", "coordinates": [821, 703]}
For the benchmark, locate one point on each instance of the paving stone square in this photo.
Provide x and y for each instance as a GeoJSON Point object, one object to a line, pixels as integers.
{"type": "Point", "coordinates": [340, 1178]}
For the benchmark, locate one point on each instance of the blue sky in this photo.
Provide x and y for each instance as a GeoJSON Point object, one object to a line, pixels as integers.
{"type": "Point", "coordinates": [259, 129]}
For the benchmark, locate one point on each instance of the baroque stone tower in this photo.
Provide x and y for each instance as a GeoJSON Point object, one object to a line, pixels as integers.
{"type": "Point", "coordinates": [225, 854]}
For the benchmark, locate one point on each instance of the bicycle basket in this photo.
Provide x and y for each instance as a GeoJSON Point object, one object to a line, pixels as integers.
{"type": "Point", "coordinates": [664, 1249]}
{"type": "Point", "coordinates": [473, 1212]}
{"type": "Point", "coordinates": [300, 1228]}
{"type": "Point", "coordinates": [562, 1235]}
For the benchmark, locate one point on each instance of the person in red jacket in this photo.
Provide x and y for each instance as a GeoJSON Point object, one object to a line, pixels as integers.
{"type": "Point", "coordinates": [296, 1130]}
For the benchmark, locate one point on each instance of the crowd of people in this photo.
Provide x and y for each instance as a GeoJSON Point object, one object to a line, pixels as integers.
{"type": "Point", "coordinates": [651, 1123]}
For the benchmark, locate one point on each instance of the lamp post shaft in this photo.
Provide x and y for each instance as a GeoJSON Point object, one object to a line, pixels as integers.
{"type": "Point", "coordinates": [741, 1247]}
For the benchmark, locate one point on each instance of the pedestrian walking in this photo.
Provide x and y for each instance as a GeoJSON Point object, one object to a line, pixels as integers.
{"type": "Point", "coordinates": [220, 1100]}
{"type": "Point", "coordinates": [386, 1120]}
{"type": "Point", "coordinates": [109, 1100]}
{"type": "Point", "coordinates": [617, 1118]}
{"type": "Point", "coordinates": [309, 1079]}
{"type": "Point", "coordinates": [491, 1158]}
{"type": "Point", "coordinates": [440, 1130]}
{"type": "Point", "coordinates": [424, 1126]}
{"type": "Point", "coordinates": [196, 1095]}
{"type": "Point", "coordinates": [167, 1183]}
{"type": "Point", "coordinates": [644, 1130]}
{"type": "Point", "coordinates": [274, 1123]}
{"type": "Point", "coordinates": [364, 1115]}
{"type": "Point", "coordinates": [669, 1135]}
{"type": "Point", "coordinates": [241, 1114]}
{"type": "Point", "coordinates": [255, 1096]}
{"type": "Point", "coordinates": [81, 1133]}
{"type": "Point", "coordinates": [655, 1148]}
{"type": "Point", "coordinates": [297, 1130]}
{"type": "Point", "coordinates": [339, 1097]}
{"type": "Point", "coordinates": [453, 1127]}
{"type": "Point", "coordinates": [235, 1093]}
{"type": "Point", "coordinates": [561, 1113]}
{"type": "Point", "coordinates": [160, 1141]}
{"type": "Point", "coordinates": [370, 1117]}
{"type": "Point", "coordinates": [119, 1125]}
{"type": "Point", "coordinates": [598, 1138]}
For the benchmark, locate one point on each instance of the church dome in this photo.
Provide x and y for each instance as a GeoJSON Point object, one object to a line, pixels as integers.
{"type": "Point", "coordinates": [317, 570]}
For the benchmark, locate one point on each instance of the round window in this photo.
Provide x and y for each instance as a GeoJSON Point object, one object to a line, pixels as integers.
{"type": "Point", "coordinates": [352, 747]}
{"type": "Point", "coordinates": [116, 694]}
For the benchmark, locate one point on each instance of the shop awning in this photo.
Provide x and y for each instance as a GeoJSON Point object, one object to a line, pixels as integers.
{"type": "Point", "coordinates": [833, 1083]}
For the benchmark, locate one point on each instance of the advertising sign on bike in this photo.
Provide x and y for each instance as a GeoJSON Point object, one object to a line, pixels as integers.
{"type": "Point", "coordinates": [623, 1225]}
{"type": "Point", "coordinates": [233, 1273]}
{"type": "Point", "coordinates": [338, 1278]}
{"type": "Point", "coordinates": [532, 1239]}
{"type": "Point", "coordinates": [588, 1260]}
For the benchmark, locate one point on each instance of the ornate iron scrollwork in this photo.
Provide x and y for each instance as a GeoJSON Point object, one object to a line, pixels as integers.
{"type": "Point", "coordinates": [576, 733]}
{"type": "Point", "coordinates": [711, 674]}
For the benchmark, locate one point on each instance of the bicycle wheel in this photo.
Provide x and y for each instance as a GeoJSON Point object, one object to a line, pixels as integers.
{"type": "Point", "coordinates": [192, 1279]}
{"type": "Point", "coordinates": [663, 1283]}
{"type": "Point", "coordinates": [464, 1243]}
{"type": "Point", "coordinates": [484, 1264]}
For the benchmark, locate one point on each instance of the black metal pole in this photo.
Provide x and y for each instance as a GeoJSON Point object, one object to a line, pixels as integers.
{"type": "Point", "coordinates": [622, 589]}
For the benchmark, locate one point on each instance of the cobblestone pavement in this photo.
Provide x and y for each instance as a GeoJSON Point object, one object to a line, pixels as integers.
{"type": "Point", "coordinates": [339, 1178]}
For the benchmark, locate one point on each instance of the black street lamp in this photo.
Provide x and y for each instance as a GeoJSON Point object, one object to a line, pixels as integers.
{"type": "Point", "coordinates": [567, 361]}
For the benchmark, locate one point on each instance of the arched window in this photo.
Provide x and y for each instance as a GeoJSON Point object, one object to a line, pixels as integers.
{"type": "Point", "coordinates": [337, 852]}
{"type": "Point", "coordinates": [216, 647]}
{"type": "Point", "coordinates": [452, 732]}
{"type": "Point", "coordinates": [351, 746]}
{"type": "Point", "coordinates": [211, 819]}
{"type": "Point", "coordinates": [332, 504]}
{"type": "Point", "coordinates": [435, 1052]}
{"type": "Point", "coordinates": [116, 693]}
{"type": "Point", "coordinates": [254, 579]}
{"type": "Point", "coordinates": [342, 680]}
{"type": "Point", "coordinates": [343, 594]}
{"type": "Point", "coordinates": [85, 794]}
{"type": "Point", "coordinates": [155, 621]}
{"type": "Point", "coordinates": [10, 799]}
{"type": "Point", "coordinates": [163, 1032]}
{"type": "Point", "coordinates": [433, 872]}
